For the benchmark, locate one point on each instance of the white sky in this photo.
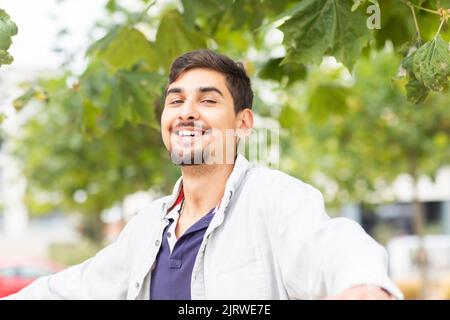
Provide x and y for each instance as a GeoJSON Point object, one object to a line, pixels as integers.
{"type": "Point", "coordinates": [39, 23]}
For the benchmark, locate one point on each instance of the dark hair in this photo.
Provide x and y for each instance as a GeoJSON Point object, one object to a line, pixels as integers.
{"type": "Point", "coordinates": [236, 78]}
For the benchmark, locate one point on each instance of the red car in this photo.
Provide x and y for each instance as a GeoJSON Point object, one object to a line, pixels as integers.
{"type": "Point", "coordinates": [17, 274]}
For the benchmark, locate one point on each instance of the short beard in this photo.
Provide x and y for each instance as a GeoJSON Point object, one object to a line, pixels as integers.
{"type": "Point", "coordinates": [198, 157]}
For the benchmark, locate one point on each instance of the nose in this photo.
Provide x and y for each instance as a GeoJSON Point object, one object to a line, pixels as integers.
{"type": "Point", "coordinates": [189, 111]}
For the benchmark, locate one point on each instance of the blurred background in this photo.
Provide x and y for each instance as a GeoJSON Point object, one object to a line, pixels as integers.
{"type": "Point", "coordinates": [81, 151]}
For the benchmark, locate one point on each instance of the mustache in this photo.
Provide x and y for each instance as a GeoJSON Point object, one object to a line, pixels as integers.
{"type": "Point", "coordinates": [191, 124]}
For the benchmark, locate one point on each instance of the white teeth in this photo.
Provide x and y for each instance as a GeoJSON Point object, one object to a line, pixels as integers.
{"type": "Point", "coordinates": [187, 133]}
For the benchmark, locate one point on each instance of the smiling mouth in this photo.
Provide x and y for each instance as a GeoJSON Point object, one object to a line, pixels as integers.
{"type": "Point", "coordinates": [190, 133]}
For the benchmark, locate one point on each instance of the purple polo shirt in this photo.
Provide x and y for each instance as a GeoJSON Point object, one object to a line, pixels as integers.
{"type": "Point", "coordinates": [171, 278]}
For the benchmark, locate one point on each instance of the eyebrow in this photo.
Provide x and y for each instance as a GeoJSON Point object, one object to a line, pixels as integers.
{"type": "Point", "coordinates": [209, 89]}
{"type": "Point", "coordinates": [201, 89]}
{"type": "Point", "coordinates": [174, 90]}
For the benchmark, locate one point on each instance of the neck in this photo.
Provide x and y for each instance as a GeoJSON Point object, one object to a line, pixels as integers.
{"type": "Point", "coordinates": [203, 187]}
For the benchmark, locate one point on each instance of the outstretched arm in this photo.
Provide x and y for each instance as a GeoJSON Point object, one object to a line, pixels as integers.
{"type": "Point", "coordinates": [321, 257]}
{"type": "Point", "coordinates": [105, 276]}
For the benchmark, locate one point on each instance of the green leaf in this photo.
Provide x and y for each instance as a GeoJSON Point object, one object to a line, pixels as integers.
{"type": "Point", "coordinates": [288, 117]}
{"type": "Point", "coordinates": [416, 91]}
{"type": "Point", "coordinates": [123, 47]}
{"type": "Point", "coordinates": [192, 9]}
{"type": "Point", "coordinates": [5, 57]}
{"type": "Point", "coordinates": [25, 98]}
{"type": "Point", "coordinates": [436, 4]}
{"type": "Point", "coordinates": [89, 118]}
{"type": "Point", "coordinates": [417, 2]}
{"type": "Point", "coordinates": [325, 27]}
{"type": "Point", "coordinates": [111, 6]}
{"type": "Point", "coordinates": [134, 98]}
{"type": "Point", "coordinates": [272, 70]}
{"type": "Point", "coordinates": [175, 38]}
{"type": "Point", "coordinates": [358, 3]}
{"type": "Point", "coordinates": [7, 29]}
{"type": "Point", "coordinates": [248, 14]}
{"type": "Point", "coordinates": [431, 64]}
{"type": "Point", "coordinates": [327, 100]}
{"type": "Point", "coordinates": [397, 26]}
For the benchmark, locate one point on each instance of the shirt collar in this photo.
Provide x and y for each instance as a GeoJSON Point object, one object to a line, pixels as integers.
{"type": "Point", "coordinates": [241, 165]}
{"type": "Point", "coordinates": [174, 213]}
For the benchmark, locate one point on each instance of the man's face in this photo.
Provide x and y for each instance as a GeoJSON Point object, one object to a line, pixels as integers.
{"type": "Point", "coordinates": [198, 117]}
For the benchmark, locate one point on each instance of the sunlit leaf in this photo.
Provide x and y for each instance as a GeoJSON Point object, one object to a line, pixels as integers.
{"type": "Point", "coordinates": [175, 38]}
{"type": "Point", "coordinates": [416, 91]}
{"type": "Point", "coordinates": [274, 70]}
{"type": "Point", "coordinates": [325, 27]}
{"type": "Point", "coordinates": [358, 3]}
{"type": "Point", "coordinates": [134, 98]}
{"type": "Point", "coordinates": [124, 47]}
{"type": "Point", "coordinates": [7, 29]}
{"type": "Point", "coordinates": [25, 98]}
{"type": "Point", "coordinates": [431, 64]}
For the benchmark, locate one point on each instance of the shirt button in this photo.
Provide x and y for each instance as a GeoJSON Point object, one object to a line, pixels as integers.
{"type": "Point", "coordinates": [169, 234]}
{"type": "Point", "coordinates": [137, 285]}
{"type": "Point", "coordinates": [157, 242]}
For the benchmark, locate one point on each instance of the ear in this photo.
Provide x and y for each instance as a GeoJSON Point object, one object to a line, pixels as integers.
{"type": "Point", "coordinates": [244, 123]}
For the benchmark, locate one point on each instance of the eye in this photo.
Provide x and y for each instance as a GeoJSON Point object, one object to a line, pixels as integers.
{"type": "Point", "coordinates": [178, 101]}
{"type": "Point", "coordinates": [209, 101]}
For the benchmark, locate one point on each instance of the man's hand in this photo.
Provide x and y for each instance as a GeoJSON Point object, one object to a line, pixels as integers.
{"type": "Point", "coordinates": [362, 293]}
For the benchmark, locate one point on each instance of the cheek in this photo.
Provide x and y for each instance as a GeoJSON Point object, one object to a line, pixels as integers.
{"type": "Point", "coordinates": [168, 116]}
{"type": "Point", "coordinates": [220, 119]}
{"type": "Point", "coordinates": [166, 122]}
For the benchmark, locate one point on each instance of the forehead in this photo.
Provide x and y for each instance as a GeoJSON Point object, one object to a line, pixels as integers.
{"type": "Point", "coordinates": [193, 79]}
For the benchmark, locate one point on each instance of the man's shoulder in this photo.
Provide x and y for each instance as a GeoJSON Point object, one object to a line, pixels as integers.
{"type": "Point", "coordinates": [277, 181]}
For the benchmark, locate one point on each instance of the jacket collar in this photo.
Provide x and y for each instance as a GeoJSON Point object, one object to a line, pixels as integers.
{"type": "Point", "coordinates": [241, 166]}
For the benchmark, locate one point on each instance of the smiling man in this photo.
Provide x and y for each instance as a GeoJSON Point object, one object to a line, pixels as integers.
{"type": "Point", "coordinates": [231, 229]}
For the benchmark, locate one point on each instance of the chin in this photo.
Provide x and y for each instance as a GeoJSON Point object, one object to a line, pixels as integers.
{"type": "Point", "coordinates": [188, 157]}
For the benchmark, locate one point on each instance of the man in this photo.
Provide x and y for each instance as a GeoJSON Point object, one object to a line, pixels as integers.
{"type": "Point", "coordinates": [230, 230]}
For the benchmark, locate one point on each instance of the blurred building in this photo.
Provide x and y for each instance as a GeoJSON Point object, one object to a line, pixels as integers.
{"type": "Point", "coordinates": [391, 223]}
{"type": "Point", "coordinates": [434, 196]}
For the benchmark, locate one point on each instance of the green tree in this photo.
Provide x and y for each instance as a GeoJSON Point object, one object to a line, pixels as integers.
{"type": "Point", "coordinates": [372, 135]}
{"type": "Point", "coordinates": [7, 29]}
{"type": "Point", "coordinates": [113, 106]}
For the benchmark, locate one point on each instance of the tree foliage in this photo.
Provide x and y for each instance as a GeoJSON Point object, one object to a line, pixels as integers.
{"type": "Point", "coordinates": [325, 27]}
{"type": "Point", "coordinates": [372, 135]}
{"type": "Point", "coordinates": [7, 29]}
{"type": "Point", "coordinates": [97, 131]}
